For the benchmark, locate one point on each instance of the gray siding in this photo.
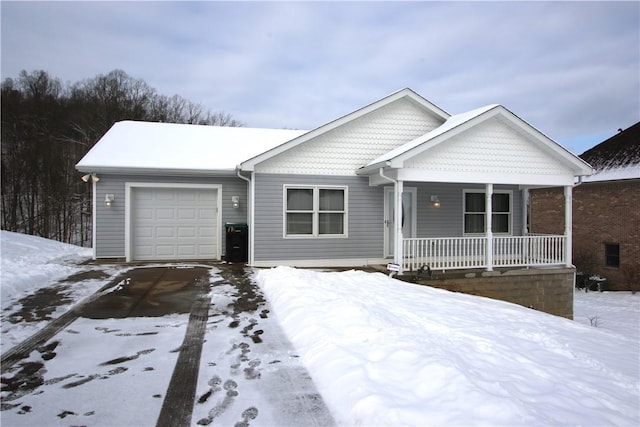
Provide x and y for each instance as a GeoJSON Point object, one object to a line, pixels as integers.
{"type": "Point", "coordinates": [110, 228]}
{"type": "Point", "coordinates": [447, 220]}
{"type": "Point", "coordinates": [365, 238]}
{"type": "Point", "coordinates": [366, 210]}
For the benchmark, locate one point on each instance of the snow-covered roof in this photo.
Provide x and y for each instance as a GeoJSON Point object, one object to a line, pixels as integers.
{"type": "Point", "coordinates": [615, 174]}
{"type": "Point", "coordinates": [150, 146]}
{"type": "Point", "coordinates": [616, 158]}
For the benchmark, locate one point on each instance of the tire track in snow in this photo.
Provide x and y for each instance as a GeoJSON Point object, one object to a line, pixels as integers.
{"type": "Point", "coordinates": [178, 402]}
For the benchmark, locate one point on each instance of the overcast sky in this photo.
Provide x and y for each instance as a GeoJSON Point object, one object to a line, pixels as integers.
{"type": "Point", "coordinates": [571, 69]}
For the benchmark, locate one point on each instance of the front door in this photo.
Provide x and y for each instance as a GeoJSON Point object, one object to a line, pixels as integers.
{"type": "Point", "coordinates": [408, 217]}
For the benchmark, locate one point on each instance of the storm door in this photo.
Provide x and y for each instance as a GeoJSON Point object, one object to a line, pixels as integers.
{"type": "Point", "coordinates": [408, 217]}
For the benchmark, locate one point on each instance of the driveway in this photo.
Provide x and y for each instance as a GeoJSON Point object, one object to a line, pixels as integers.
{"type": "Point", "coordinates": [173, 345]}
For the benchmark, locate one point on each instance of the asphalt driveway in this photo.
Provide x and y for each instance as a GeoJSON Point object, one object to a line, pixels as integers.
{"type": "Point", "coordinates": [178, 345]}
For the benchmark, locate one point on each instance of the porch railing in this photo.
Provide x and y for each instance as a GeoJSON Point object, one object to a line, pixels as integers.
{"type": "Point", "coordinates": [448, 253]}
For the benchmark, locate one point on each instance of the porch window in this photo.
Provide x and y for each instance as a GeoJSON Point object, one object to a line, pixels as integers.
{"type": "Point", "coordinates": [612, 255]}
{"type": "Point", "coordinates": [475, 208]}
{"type": "Point", "coordinates": [315, 211]}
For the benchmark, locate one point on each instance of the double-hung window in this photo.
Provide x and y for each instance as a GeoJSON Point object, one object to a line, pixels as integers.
{"type": "Point", "coordinates": [314, 211]}
{"type": "Point", "coordinates": [475, 212]}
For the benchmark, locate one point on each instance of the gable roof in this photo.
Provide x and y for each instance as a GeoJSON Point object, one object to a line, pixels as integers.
{"type": "Point", "coordinates": [179, 148]}
{"type": "Point", "coordinates": [616, 158]}
{"type": "Point", "coordinates": [461, 122]}
{"type": "Point", "coordinates": [406, 93]}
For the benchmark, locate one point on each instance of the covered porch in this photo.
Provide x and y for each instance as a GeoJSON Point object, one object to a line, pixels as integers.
{"type": "Point", "coordinates": [470, 227]}
{"type": "Point", "coordinates": [463, 192]}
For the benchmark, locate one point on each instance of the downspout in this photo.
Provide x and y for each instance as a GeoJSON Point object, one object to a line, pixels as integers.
{"type": "Point", "coordinates": [250, 194]}
{"type": "Point", "coordinates": [579, 183]}
{"type": "Point", "coordinates": [397, 207]}
{"type": "Point", "coordinates": [94, 220]}
{"type": "Point", "coordinates": [569, 243]}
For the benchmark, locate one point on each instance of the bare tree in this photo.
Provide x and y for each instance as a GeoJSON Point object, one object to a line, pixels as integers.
{"type": "Point", "coordinates": [47, 128]}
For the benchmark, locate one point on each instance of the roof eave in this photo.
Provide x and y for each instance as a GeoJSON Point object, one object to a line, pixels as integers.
{"type": "Point", "coordinates": [155, 171]}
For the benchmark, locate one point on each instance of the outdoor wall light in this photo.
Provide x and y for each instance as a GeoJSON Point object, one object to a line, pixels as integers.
{"type": "Point", "coordinates": [235, 201]}
{"type": "Point", "coordinates": [94, 178]}
{"type": "Point", "coordinates": [435, 201]}
{"type": "Point", "coordinates": [108, 199]}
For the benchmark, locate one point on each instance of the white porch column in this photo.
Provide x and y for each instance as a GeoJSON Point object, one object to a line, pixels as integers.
{"type": "Point", "coordinates": [568, 224]}
{"type": "Point", "coordinates": [525, 211]}
{"type": "Point", "coordinates": [397, 244]}
{"type": "Point", "coordinates": [488, 230]}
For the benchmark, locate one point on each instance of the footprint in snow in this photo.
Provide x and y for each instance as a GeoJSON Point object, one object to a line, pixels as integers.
{"type": "Point", "coordinates": [217, 410]}
{"type": "Point", "coordinates": [248, 414]}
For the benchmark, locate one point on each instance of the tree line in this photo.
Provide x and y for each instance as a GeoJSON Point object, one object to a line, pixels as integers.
{"type": "Point", "coordinates": [48, 126]}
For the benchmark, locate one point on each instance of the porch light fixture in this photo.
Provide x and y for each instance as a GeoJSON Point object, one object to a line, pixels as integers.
{"type": "Point", "coordinates": [108, 199]}
{"type": "Point", "coordinates": [94, 178]}
{"type": "Point", "coordinates": [435, 202]}
{"type": "Point", "coordinates": [235, 201]}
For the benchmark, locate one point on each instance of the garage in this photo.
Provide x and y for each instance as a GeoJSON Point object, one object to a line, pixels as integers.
{"type": "Point", "coordinates": [169, 223]}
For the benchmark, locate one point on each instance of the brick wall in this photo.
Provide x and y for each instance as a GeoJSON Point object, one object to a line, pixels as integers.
{"type": "Point", "coordinates": [607, 212]}
{"type": "Point", "coordinates": [548, 290]}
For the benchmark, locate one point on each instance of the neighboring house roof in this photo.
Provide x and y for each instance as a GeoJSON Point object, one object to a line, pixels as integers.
{"type": "Point", "coordinates": [617, 158]}
{"type": "Point", "coordinates": [179, 148]}
{"type": "Point", "coordinates": [404, 93]}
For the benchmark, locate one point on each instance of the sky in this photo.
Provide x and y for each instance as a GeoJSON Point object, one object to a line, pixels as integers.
{"type": "Point", "coordinates": [570, 69]}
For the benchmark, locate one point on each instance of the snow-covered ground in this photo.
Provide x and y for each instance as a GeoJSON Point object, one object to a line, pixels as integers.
{"type": "Point", "coordinates": [383, 352]}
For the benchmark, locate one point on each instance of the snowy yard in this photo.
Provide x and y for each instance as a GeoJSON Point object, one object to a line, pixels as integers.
{"type": "Point", "coordinates": [384, 352]}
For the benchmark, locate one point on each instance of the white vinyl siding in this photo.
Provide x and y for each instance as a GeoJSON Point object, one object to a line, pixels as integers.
{"type": "Point", "coordinates": [315, 211]}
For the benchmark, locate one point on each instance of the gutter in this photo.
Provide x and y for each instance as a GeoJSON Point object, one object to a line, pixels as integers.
{"type": "Point", "coordinates": [382, 175]}
{"type": "Point", "coordinates": [239, 173]}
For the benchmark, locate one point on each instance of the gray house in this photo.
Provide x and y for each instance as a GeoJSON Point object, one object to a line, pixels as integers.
{"type": "Point", "coordinates": [397, 181]}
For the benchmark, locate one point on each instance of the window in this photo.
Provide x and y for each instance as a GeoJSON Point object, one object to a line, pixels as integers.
{"type": "Point", "coordinates": [475, 207]}
{"type": "Point", "coordinates": [315, 211]}
{"type": "Point", "coordinates": [612, 255]}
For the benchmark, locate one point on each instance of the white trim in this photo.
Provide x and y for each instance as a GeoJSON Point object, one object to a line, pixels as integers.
{"type": "Point", "coordinates": [497, 177]}
{"type": "Point", "coordinates": [315, 234]}
{"type": "Point", "coordinates": [127, 209]}
{"type": "Point", "coordinates": [319, 263]}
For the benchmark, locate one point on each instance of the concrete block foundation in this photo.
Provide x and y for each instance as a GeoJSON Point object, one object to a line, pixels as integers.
{"type": "Point", "coordinates": [549, 290]}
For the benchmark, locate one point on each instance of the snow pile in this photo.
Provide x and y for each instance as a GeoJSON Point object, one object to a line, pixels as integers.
{"type": "Point", "coordinates": [384, 352]}
{"type": "Point", "coordinates": [29, 262]}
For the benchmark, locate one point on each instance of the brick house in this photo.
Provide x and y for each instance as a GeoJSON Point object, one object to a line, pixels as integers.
{"type": "Point", "coordinates": [606, 212]}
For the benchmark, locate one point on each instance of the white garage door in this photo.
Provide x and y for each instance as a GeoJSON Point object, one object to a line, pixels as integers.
{"type": "Point", "coordinates": [174, 223]}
